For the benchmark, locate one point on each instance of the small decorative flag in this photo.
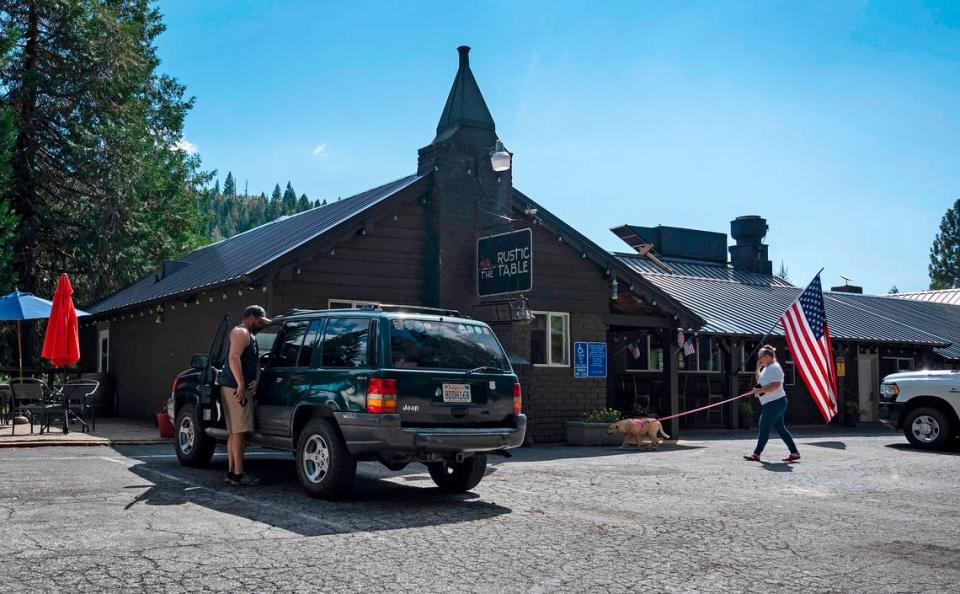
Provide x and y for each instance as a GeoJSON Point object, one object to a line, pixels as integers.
{"type": "Point", "coordinates": [689, 348]}
{"type": "Point", "coordinates": [680, 339]}
{"type": "Point", "coordinates": [634, 350]}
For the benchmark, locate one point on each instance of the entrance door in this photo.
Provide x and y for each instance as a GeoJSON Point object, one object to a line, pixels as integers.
{"type": "Point", "coordinates": [869, 382]}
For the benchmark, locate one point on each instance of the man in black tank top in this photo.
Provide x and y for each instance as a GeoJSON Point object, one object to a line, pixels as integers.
{"type": "Point", "coordinates": [238, 384]}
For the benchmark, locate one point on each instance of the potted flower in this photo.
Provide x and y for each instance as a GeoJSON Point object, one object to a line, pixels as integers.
{"type": "Point", "coordinates": [746, 414]}
{"type": "Point", "coordinates": [591, 429]}
{"type": "Point", "coordinates": [851, 413]}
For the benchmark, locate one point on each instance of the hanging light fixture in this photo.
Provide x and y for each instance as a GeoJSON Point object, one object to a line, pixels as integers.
{"type": "Point", "coordinates": [499, 157]}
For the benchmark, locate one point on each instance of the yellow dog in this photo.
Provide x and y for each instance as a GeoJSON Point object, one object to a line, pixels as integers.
{"type": "Point", "coordinates": [637, 428]}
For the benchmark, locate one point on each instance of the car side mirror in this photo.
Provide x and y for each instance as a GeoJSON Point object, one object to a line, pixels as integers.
{"type": "Point", "coordinates": [265, 359]}
{"type": "Point", "coordinates": [199, 361]}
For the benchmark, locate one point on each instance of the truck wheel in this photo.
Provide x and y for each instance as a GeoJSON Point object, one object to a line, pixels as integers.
{"type": "Point", "coordinates": [193, 446]}
{"type": "Point", "coordinates": [458, 477]}
{"type": "Point", "coordinates": [927, 428]}
{"type": "Point", "coordinates": [324, 465]}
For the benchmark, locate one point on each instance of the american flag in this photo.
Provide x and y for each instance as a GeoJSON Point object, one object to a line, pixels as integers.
{"type": "Point", "coordinates": [808, 336]}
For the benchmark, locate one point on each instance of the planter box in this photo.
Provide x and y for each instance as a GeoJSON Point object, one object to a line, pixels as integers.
{"type": "Point", "coordinates": [590, 434]}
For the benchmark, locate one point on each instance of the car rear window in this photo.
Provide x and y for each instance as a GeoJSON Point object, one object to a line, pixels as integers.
{"type": "Point", "coordinates": [444, 345]}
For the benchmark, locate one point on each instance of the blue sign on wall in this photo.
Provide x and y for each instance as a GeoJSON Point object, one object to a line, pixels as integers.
{"type": "Point", "coordinates": [589, 359]}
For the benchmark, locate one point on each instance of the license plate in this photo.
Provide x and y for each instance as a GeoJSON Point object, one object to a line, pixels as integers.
{"type": "Point", "coordinates": [458, 393]}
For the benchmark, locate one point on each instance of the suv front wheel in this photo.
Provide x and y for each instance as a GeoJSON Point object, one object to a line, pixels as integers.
{"type": "Point", "coordinates": [194, 447]}
{"type": "Point", "coordinates": [458, 477]}
{"type": "Point", "coordinates": [927, 428]}
{"type": "Point", "coordinates": [324, 466]}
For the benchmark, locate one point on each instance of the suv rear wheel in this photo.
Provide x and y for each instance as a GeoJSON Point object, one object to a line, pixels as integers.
{"type": "Point", "coordinates": [324, 466]}
{"type": "Point", "coordinates": [194, 447]}
{"type": "Point", "coordinates": [927, 428]}
{"type": "Point", "coordinates": [457, 477]}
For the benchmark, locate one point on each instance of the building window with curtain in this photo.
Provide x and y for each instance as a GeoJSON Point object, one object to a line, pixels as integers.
{"type": "Point", "coordinates": [550, 339]}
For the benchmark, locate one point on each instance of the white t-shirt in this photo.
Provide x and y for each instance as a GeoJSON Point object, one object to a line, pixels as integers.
{"type": "Point", "coordinates": [771, 373]}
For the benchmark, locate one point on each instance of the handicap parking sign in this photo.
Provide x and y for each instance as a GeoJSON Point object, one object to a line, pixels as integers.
{"type": "Point", "coordinates": [589, 359]}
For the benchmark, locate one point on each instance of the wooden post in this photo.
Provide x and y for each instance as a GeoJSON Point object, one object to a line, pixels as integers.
{"type": "Point", "coordinates": [736, 356]}
{"type": "Point", "coordinates": [673, 383]}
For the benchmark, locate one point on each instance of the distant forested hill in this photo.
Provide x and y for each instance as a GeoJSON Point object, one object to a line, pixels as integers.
{"type": "Point", "coordinates": [228, 213]}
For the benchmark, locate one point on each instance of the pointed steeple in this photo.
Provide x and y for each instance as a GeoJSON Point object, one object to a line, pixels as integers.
{"type": "Point", "coordinates": [465, 105]}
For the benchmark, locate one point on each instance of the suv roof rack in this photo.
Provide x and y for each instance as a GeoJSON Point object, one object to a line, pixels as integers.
{"type": "Point", "coordinates": [413, 309]}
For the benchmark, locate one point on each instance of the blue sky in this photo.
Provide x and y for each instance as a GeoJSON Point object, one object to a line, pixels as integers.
{"type": "Point", "coordinates": [837, 121]}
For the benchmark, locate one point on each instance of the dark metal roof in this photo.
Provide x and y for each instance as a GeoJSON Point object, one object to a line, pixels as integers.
{"type": "Point", "coordinates": [465, 105]}
{"type": "Point", "coordinates": [244, 254]}
{"type": "Point", "coordinates": [597, 254]}
{"type": "Point", "coordinates": [751, 309]}
{"type": "Point", "coordinates": [698, 269]}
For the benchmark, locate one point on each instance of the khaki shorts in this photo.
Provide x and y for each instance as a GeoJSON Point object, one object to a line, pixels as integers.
{"type": "Point", "coordinates": [239, 418]}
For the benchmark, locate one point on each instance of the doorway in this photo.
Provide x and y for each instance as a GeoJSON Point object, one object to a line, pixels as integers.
{"type": "Point", "coordinates": [868, 377]}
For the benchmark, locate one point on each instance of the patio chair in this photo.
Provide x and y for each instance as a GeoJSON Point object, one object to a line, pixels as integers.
{"type": "Point", "coordinates": [31, 398]}
{"type": "Point", "coordinates": [77, 398]}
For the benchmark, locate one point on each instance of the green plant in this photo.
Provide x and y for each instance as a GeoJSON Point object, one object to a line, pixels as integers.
{"type": "Point", "coordinates": [746, 407]}
{"type": "Point", "coordinates": [851, 407]}
{"type": "Point", "coordinates": [603, 415]}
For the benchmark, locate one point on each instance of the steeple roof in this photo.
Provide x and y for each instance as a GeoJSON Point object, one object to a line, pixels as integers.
{"type": "Point", "coordinates": [465, 105]}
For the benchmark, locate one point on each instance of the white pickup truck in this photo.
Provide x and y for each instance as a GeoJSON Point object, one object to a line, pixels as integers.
{"type": "Point", "coordinates": [925, 404]}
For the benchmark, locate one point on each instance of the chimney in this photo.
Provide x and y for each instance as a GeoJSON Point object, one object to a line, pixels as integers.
{"type": "Point", "coordinates": [750, 253]}
{"type": "Point", "coordinates": [846, 287]}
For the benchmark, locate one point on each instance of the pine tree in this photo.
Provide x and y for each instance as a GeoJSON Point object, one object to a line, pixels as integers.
{"type": "Point", "coordinates": [316, 203]}
{"type": "Point", "coordinates": [216, 187]}
{"type": "Point", "coordinates": [945, 253]}
{"type": "Point", "coordinates": [289, 200]}
{"type": "Point", "coordinates": [324, 203]}
{"type": "Point", "coordinates": [95, 183]}
{"type": "Point", "coordinates": [893, 290]}
{"type": "Point", "coordinates": [230, 185]}
{"type": "Point", "coordinates": [303, 204]}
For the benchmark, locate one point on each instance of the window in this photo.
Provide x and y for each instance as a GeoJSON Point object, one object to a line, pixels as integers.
{"type": "Point", "coordinates": [444, 345]}
{"type": "Point", "coordinates": [646, 356]}
{"type": "Point", "coordinates": [348, 304]}
{"type": "Point", "coordinates": [789, 373]}
{"type": "Point", "coordinates": [309, 344]}
{"type": "Point", "coordinates": [345, 343]}
{"type": "Point", "coordinates": [705, 358]}
{"type": "Point", "coordinates": [890, 365]}
{"type": "Point", "coordinates": [267, 337]}
{"type": "Point", "coordinates": [550, 339]}
{"type": "Point", "coordinates": [287, 346]}
{"type": "Point", "coordinates": [103, 362]}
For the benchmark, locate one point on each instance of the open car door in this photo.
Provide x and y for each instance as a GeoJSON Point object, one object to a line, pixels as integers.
{"type": "Point", "coordinates": [209, 388]}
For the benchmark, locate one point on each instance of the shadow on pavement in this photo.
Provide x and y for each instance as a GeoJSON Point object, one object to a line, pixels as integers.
{"type": "Point", "coordinates": [777, 466]}
{"type": "Point", "coordinates": [951, 450]}
{"type": "Point", "coordinates": [798, 431]}
{"type": "Point", "coordinates": [547, 453]}
{"type": "Point", "coordinates": [836, 445]}
{"type": "Point", "coordinates": [278, 501]}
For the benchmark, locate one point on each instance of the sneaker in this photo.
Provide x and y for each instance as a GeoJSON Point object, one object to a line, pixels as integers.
{"type": "Point", "coordinates": [229, 478]}
{"type": "Point", "coordinates": [792, 458]}
{"type": "Point", "coordinates": [752, 458]}
{"type": "Point", "coordinates": [244, 480]}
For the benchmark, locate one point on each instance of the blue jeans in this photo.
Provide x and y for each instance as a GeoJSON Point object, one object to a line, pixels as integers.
{"type": "Point", "coordinates": [771, 415]}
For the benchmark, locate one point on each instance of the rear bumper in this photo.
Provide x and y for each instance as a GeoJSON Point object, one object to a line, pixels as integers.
{"type": "Point", "coordinates": [370, 433]}
{"type": "Point", "coordinates": [891, 413]}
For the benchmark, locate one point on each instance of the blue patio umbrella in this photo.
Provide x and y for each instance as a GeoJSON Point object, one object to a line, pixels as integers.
{"type": "Point", "coordinates": [19, 306]}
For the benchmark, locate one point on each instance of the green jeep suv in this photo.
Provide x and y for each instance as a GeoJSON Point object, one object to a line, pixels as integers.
{"type": "Point", "coordinates": [393, 384]}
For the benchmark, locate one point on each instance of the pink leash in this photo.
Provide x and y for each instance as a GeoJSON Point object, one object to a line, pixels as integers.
{"type": "Point", "coordinates": [750, 393]}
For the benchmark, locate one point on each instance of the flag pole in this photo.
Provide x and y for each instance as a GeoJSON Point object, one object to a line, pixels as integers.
{"type": "Point", "coordinates": [772, 328]}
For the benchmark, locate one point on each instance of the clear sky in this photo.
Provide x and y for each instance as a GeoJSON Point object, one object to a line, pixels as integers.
{"type": "Point", "coordinates": [837, 121]}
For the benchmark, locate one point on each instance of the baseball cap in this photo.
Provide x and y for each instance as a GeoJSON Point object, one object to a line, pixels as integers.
{"type": "Point", "coordinates": [257, 312]}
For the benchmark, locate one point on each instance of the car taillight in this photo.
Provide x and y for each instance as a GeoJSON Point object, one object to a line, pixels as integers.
{"type": "Point", "coordinates": [382, 395]}
{"type": "Point", "coordinates": [517, 399]}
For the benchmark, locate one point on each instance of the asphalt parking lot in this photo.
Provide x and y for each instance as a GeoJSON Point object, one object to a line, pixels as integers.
{"type": "Point", "coordinates": [860, 513]}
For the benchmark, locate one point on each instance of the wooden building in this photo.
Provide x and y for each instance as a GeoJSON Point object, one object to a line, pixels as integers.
{"type": "Point", "coordinates": [425, 239]}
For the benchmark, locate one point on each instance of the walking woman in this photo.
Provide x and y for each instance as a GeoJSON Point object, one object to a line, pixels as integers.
{"type": "Point", "coordinates": [773, 401]}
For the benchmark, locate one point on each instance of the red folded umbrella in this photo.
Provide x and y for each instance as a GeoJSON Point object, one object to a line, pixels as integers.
{"type": "Point", "coordinates": [61, 345]}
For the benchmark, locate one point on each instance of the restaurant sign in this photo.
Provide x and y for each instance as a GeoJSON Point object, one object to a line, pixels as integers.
{"type": "Point", "coordinates": [505, 263]}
